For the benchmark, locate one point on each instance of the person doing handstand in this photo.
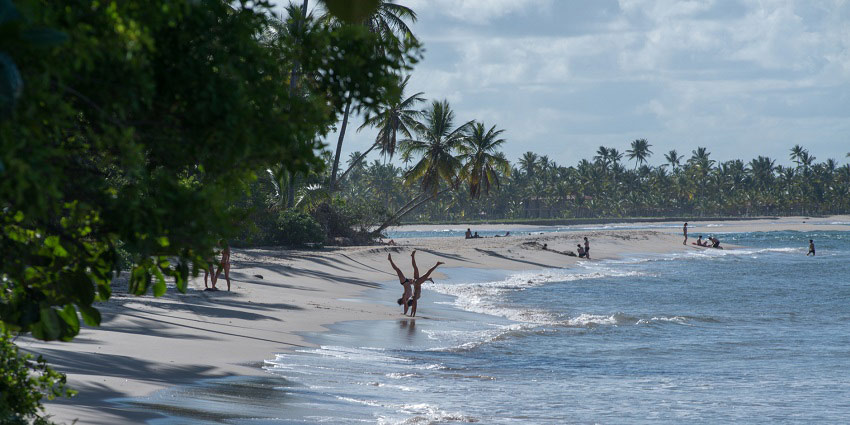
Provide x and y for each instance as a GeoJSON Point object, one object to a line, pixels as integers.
{"type": "Point", "coordinates": [405, 283]}
{"type": "Point", "coordinates": [418, 281]}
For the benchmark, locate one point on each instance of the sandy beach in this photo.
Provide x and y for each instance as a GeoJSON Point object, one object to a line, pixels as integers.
{"type": "Point", "coordinates": [147, 344]}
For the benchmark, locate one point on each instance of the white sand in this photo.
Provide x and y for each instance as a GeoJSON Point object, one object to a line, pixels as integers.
{"type": "Point", "coordinates": [147, 344]}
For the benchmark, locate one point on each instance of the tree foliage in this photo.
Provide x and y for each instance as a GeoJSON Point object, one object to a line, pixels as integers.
{"type": "Point", "coordinates": [143, 127]}
{"type": "Point", "coordinates": [24, 382]}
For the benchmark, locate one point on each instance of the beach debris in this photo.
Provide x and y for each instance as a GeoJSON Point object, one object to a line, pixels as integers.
{"type": "Point", "coordinates": [258, 276]}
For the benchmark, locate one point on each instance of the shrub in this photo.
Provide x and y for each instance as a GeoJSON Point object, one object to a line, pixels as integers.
{"type": "Point", "coordinates": [298, 229]}
{"type": "Point", "coordinates": [23, 384]}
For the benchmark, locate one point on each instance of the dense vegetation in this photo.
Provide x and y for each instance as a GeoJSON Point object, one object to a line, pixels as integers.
{"type": "Point", "coordinates": [134, 129]}
{"type": "Point", "coordinates": [606, 186]}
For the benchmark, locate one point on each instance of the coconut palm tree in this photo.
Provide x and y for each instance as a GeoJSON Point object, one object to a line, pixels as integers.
{"type": "Point", "coordinates": [397, 117]}
{"type": "Point", "coordinates": [797, 154]}
{"type": "Point", "coordinates": [482, 164]}
{"type": "Point", "coordinates": [388, 21]}
{"type": "Point", "coordinates": [639, 151]}
{"type": "Point", "coordinates": [673, 158]}
{"type": "Point", "coordinates": [528, 164]}
{"type": "Point", "coordinates": [436, 141]}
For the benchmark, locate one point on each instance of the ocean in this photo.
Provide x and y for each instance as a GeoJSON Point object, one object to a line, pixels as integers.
{"type": "Point", "coordinates": [759, 334]}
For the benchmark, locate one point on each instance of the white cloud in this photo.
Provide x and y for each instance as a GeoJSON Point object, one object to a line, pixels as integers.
{"type": "Point", "coordinates": [744, 78]}
{"type": "Point", "coordinates": [479, 12]}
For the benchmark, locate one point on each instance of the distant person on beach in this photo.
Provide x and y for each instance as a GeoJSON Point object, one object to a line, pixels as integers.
{"type": "Point", "coordinates": [224, 265]}
{"type": "Point", "coordinates": [811, 248]}
{"type": "Point", "coordinates": [417, 283]}
{"type": "Point", "coordinates": [209, 274]}
{"type": "Point", "coordinates": [685, 231]}
{"type": "Point", "coordinates": [580, 250]}
{"type": "Point", "coordinates": [586, 248]}
{"type": "Point", "coordinates": [475, 236]}
{"type": "Point", "coordinates": [699, 241]}
{"type": "Point", "coordinates": [468, 234]}
{"type": "Point", "coordinates": [715, 243]}
{"type": "Point", "coordinates": [405, 283]}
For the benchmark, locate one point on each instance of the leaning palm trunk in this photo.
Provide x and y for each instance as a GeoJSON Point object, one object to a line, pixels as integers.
{"type": "Point", "coordinates": [335, 168]}
{"type": "Point", "coordinates": [356, 162]}
{"type": "Point", "coordinates": [408, 207]}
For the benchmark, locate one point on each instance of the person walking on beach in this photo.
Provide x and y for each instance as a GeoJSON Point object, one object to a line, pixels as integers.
{"type": "Point", "coordinates": [405, 283]}
{"type": "Point", "coordinates": [811, 248]}
{"type": "Point", "coordinates": [225, 265]}
{"type": "Point", "coordinates": [685, 231]}
{"type": "Point", "coordinates": [586, 248]}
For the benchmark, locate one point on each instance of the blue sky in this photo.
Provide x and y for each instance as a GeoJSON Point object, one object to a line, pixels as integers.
{"type": "Point", "coordinates": [743, 78]}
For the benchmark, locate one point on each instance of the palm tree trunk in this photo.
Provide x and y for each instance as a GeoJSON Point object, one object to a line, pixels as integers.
{"type": "Point", "coordinates": [356, 162]}
{"type": "Point", "coordinates": [402, 212]}
{"type": "Point", "coordinates": [335, 168]}
{"type": "Point", "coordinates": [293, 78]}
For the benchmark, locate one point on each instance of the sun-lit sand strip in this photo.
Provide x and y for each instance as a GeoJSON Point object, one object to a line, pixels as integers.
{"type": "Point", "coordinates": [146, 344]}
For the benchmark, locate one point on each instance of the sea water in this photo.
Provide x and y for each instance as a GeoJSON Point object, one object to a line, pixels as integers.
{"type": "Point", "coordinates": [753, 335]}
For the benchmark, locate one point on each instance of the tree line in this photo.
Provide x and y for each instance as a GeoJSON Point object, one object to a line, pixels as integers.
{"type": "Point", "coordinates": [615, 183]}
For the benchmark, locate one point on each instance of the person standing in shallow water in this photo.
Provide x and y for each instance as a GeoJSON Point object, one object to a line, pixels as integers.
{"type": "Point", "coordinates": [685, 231]}
{"type": "Point", "coordinates": [811, 248]}
{"type": "Point", "coordinates": [586, 248]}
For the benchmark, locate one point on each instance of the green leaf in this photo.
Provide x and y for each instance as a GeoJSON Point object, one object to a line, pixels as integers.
{"type": "Point", "coordinates": [69, 315]}
{"type": "Point", "coordinates": [50, 320]}
{"type": "Point", "coordinates": [90, 315]}
{"type": "Point", "coordinates": [181, 276]}
{"type": "Point", "coordinates": [159, 287]}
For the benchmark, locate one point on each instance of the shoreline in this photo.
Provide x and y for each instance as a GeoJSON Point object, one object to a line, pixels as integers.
{"type": "Point", "coordinates": [149, 344]}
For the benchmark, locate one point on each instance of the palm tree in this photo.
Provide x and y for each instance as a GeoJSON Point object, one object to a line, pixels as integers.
{"type": "Point", "coordinates": [602, 156]}
{"type": "Point", "coordinates": [528, 164]}
{"type": "Point", "coordinates": [436, 140]}
{"type": "Point", "coordinates": [397, 117]}
{"type": "Point", "coordinates": [797, 154]}
{"type": "Point", "coordinates": [482, 164]}
{"type": "Point", "coordinates": [388, 21]}
{"type": "Point", "coordinates": [673, 158]}
{"type": "Point", "coordinates": [639, 151]}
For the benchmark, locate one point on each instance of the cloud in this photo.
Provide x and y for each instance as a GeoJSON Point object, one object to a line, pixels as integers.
{"type": "Point", "coordinates": [478, 12]}
{"type": "Point", "coordinates": [742, 77]}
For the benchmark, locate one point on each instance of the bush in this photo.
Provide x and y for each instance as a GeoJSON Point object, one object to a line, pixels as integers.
{"type": "Point", "coordinates": [299, 229]}
{"type": "Point", "coordinates": [352, 221]}
{"type": "Point", "coordinates": [23, 384]}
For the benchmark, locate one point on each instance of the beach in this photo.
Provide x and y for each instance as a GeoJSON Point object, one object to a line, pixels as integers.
{"type": "Point", "coordinates": [148, 344]}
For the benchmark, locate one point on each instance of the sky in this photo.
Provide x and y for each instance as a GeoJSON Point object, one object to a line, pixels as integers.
{"type": "Point", "coordinates": [562, 77]}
